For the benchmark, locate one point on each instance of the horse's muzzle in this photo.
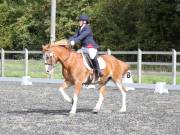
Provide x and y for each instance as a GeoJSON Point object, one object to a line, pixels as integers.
{"type": "Point", "coordinates": [49, 68]}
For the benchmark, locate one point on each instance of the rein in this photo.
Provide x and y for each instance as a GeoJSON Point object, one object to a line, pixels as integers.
{"type": "Point", "coordinates": [67, 56]}
{"type": "Point", "coordinates": [63, 60]}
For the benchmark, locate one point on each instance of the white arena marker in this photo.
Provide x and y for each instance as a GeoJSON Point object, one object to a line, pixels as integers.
{"type": "Point", "coordinates": [128, 79]}
{"type": "Point", "coordinates": [160, 88]}
{"type": "Point", "coordinates": [25, 80]}
{"type": "Point", "coordinates": [90, 86]}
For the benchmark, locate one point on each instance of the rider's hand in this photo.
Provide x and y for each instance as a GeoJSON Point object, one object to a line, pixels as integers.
{"type": "Point", "coordinates": [72, 43]}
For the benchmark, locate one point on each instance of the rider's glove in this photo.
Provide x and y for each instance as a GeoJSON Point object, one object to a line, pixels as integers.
{"type": "Point", "coordinates": [72, 43]}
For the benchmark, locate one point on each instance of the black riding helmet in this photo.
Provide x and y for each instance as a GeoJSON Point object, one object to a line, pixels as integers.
{"type": "Point", "coordinates": [83, 18]}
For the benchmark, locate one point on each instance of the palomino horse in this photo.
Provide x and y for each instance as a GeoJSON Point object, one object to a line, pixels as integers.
{"type": "Point", "coordinates": [75, 73]}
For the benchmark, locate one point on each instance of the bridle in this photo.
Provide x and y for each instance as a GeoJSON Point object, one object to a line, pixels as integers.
{"type": "Point", "coordinates": [52, 55]}
{"type": "Point", "coordinates": [50, 59]}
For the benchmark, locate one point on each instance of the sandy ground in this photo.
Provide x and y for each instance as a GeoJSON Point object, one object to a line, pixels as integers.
{"type": "Point", "coordinates": [40, 110]}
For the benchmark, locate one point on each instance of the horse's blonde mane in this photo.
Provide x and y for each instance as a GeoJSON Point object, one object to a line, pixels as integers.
{"type": "Point", "coordinates": [63, 42]}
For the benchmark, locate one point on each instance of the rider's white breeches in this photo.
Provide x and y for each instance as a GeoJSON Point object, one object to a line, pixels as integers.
{"type": "Point", "coordinates": [91, 51]}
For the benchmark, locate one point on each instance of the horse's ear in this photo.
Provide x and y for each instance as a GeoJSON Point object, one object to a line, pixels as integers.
{"type": "Point", "coordinates": [48, 46]}
{"type": "Point", "coordinates": [45, 47]}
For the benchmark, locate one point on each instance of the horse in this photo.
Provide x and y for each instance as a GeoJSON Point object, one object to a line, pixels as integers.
{"type": "Point", "coordinates": [76, 73]}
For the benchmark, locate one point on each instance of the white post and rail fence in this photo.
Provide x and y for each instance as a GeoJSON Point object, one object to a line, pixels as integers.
{"type": "Point", "coordinates": [139, 63]}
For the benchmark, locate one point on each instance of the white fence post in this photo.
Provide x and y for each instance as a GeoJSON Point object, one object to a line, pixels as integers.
{"type": "Point", "coordinates": [26, 63]}
{"type": "Point", "coordinates": [2, 62]}
{"type": "Point", "coordinates": [53, 20]}
{"type": "Point", "coordinates": [25, 78]}
{"type": "Point", "coordinates": [139, 66]}
{"type": "Point", "coordinates": [174, 66]}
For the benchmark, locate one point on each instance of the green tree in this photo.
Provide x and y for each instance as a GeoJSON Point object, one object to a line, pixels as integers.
{"type": "Point", "coordinates": [129, 24]}
{"type": "Point", "coordinates": [117, 24]}
{"type": "Point", "coordinates": [116, 21]}
{"type": "Point", "coordinates": [159, 29]}
{"type": "Point", "coordinates": [24, 24]}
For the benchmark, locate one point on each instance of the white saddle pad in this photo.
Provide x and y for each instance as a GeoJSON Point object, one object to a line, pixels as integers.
{"type": "Point", "coordinates": [101, 61]}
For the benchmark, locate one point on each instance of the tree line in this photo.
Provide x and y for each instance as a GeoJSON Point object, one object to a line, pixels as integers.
{"type": "Point", "coordinates": [117, 24]}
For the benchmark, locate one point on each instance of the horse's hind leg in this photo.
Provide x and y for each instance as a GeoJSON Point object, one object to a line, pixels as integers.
{"type": "Point", "coordinates": [123, 92]}
{"type": "Point", "coordinates": [64, 86]}
{"type": "Point", "coordinates": [100, 100]}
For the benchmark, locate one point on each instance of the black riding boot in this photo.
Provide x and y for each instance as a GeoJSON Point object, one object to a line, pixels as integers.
{"type": "Point", "coordinates": [96, 66]}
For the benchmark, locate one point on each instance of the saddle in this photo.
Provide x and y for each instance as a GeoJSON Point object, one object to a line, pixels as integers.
{"type": "Point", "coordinates": [94, 77]}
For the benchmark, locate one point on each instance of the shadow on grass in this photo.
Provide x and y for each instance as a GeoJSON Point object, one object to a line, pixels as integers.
{"type": "Point", "coordinates": [48, 112]}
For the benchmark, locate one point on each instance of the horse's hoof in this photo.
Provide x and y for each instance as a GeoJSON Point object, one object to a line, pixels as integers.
{"type": "Point", "coordinates": [122, 110]}
{"type": "Point", "coordinates": [95, 111]}
{"type": "Point", "coordinates": [71, 114]}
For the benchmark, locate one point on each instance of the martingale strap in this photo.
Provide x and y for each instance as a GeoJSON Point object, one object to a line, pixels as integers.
{"type": "Point", "coordinates": [48, 64]}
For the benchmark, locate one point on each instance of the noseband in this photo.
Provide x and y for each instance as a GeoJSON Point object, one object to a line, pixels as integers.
{"type": "Point", "coordinates": [49, 64]}
{"type": "Point", "coordinates": [52, 64]}
{"type": "Point", "coordinates": [62, 61]}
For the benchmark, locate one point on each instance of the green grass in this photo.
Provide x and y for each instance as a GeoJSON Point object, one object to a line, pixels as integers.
{"type": "Point", "coordinates": [15, 68]}
{"type": "Point", "coordinates": [152, 79]}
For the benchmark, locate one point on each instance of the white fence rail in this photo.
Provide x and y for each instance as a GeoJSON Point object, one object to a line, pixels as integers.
{"type": "Point", "coordinates": [139, 61]}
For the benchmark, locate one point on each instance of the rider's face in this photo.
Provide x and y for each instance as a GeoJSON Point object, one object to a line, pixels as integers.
{"type": "Point", "coordinates": [80, 23]}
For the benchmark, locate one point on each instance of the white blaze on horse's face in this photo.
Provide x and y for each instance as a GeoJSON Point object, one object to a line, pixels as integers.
{"type": "Point", "coordinates": [49, 62]}
{"type": "Point", "coordinates": [49, 69]}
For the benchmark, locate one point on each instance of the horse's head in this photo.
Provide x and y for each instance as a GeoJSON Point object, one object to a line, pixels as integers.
{"type": "Point", "coordinates": [49, 54]}
{"type": "Point", "coordinates": [49, 59]}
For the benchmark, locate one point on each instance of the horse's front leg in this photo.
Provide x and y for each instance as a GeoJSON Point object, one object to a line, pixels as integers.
{"type": "Point", "coordinates": [75, 97]}
{"type": "Point", "coordinates": [102, 91]}
{"type": "Point", "coordinates": [64, 86]}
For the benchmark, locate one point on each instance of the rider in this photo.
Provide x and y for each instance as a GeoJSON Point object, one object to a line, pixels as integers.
{"type": "Point", "coordinates": [84, 35]}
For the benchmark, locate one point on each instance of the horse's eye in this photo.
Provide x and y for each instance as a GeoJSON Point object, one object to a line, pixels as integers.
{"type": "Point", "coordinates": [47, 57]}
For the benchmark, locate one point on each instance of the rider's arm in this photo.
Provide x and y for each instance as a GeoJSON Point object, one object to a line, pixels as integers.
{"type": "Point", "coordinates": [83, 34]}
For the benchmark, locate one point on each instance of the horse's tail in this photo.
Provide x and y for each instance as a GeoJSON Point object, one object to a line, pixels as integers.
{"type": "Point", "coordinates": [125, 67]}
{"type": "Point", "coordinates": [108, 52]}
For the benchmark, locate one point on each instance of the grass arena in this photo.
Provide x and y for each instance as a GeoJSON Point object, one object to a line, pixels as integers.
{"type": "Point", "coordinates": [39, 109]}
